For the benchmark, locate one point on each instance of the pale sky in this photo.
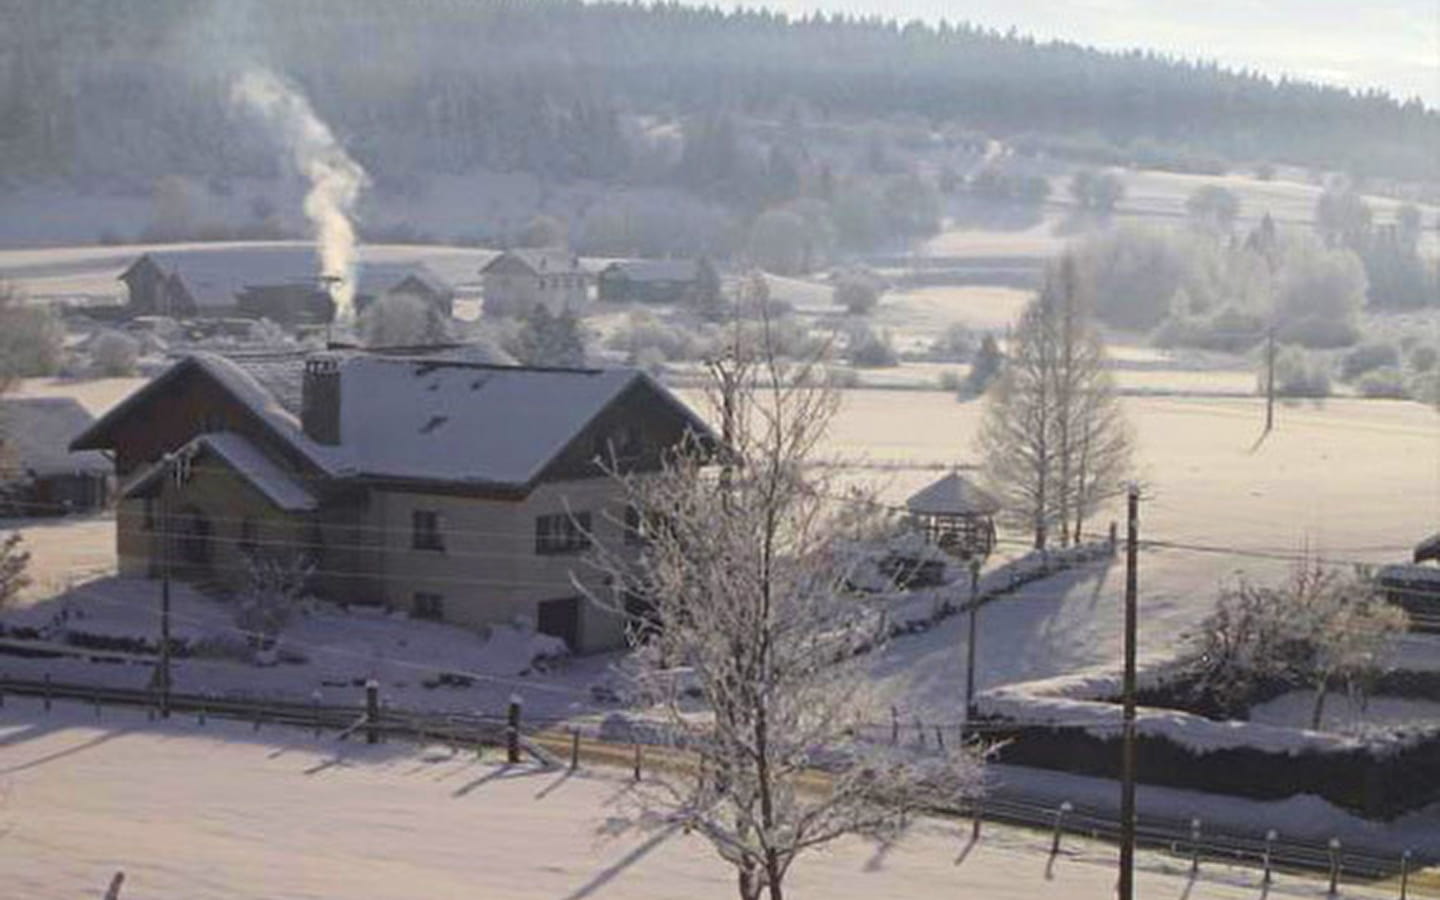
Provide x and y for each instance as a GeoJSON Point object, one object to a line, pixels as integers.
{"type": "Point", "coordinates": [1391, 44]}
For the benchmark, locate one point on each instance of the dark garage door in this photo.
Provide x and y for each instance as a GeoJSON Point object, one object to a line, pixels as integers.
{"type": "Point", "coordinates": [561, 618]}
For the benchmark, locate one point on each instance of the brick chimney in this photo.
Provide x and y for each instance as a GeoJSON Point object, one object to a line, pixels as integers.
{"type": "Point", "coordinates": [320, 400]}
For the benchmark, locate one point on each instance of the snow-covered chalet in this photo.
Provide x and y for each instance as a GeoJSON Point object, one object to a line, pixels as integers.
{"type": "Point", "coordinates": [455, 490]}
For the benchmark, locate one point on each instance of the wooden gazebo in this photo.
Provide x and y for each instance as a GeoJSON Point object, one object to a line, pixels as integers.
{"type": "Point", "coordinates": [956, 516]}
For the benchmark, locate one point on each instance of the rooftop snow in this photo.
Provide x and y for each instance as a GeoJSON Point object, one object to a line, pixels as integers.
{"type": "Point", "coordinates": [278, 486]}
{"type": "Point", "coordinates": [38, 432]}
{"type": "Point", "coordinates": [215, 277]}
{"type": "Point", "coordinates": [953, 495]}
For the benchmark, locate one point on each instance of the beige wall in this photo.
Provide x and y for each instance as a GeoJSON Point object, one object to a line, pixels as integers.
{"type": "Point", "coordinates": [489, 572]}
{"type": "Point", "coordinates": [225, 501]}
{"type": "Point", "coordinates": [520, 292]}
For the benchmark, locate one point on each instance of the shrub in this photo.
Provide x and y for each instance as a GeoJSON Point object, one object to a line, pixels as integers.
{"type": "Point", "coordinates": [1366, 358]}
{"type": "Point", "coordinates": [643, 333]}
{"type": "Point", "coordinates": [956, 344]}
{"type": "Point", "coordinates": [1423, 358]}
{"type": "Point", "coordinates": [114, 355]}
{"type": "Point", "coordinates": [31, 337]}
{"type": "Point", "coordinates": [1386, 382]}
{"type": "Point", "coordinates": [870, 350]}
{"type": "Point", "coordinates": [1299, 374]}
{"type": "Point", "coordinates": [985, 369]}
{"type": "Point", "coordinates": [858, 293]}
{"type": "Point", "coordinates": [949, 380]}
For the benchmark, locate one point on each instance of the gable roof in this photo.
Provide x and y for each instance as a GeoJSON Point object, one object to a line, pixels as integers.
{"type": "Point", "coordinates": [539, 261]}
{"type": "Point", "coordinates": [953, 495]}
{"type": "Point", "coordinates": [433, 420]}
{"type": "Point", "coordinates": [654, 269]}
{"type": "Point", "coordinates": [35, 436]}
{"type": "Point", "coordinates": [246, 460]}
{"type": "Point", "coordinates": [216, 276]}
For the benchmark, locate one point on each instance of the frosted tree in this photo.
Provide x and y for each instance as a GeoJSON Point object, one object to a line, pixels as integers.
{"type": "Point", "coordinates": [275, 584]}
{"type": "Point", "coordinates": [402, 320]}
{"type": "Point", "coordinates": [1054, 440]}
{"type": "Point", "coordinates": [1322, 628]}
{"type": "Point", "coordinates": [745, 558]}
{"type": "Point", "coordinates": [14, 566]}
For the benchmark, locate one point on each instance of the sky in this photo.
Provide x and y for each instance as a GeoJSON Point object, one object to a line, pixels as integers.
{"type": "Point", "coordinates": [1390, 44]}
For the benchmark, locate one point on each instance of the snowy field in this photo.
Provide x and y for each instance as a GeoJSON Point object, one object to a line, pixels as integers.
{"type": "Point", "coordinates": [295, 818]}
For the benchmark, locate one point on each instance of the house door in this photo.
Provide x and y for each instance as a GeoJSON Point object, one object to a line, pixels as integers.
{"type": "Point", "coordinates": [561, 618]}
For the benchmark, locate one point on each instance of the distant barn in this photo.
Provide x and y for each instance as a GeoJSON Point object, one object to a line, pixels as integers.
{"type": "Point", "coordinates": [39, 474]}
{"type": "Point", "coordinates": [653, 280]}
{"type": "Point", "coordinates": [277, 283]}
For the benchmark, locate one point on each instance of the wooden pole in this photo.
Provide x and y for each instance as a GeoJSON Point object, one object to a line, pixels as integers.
{"type": "Point", "coordinates": [1270, 380]}
{"type": "Point", "coordinates": [970, 648]}
{"type": "Point", "coordinates": [372, 711]}
{"type": "Point", "coordinates": [169, 482]}
{"type": "Point", "coordinates": [574, 749]}
{"type": "Point", "coordinates": [512, 731]}
{"type": "Point", "coordinates": [1270, 837]}
{"type": "Point", "coordinates": [1404, 875]}
{"type": "Point", "coordinates": [1127, 783]}
{"type": "Point", "coordinates": [1334, 866]}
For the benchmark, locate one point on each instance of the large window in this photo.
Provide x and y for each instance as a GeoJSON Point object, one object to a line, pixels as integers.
{"type": "Point", "coordinates": [562, 533]}
{"type": "Point", "coordinates": [425, 531]}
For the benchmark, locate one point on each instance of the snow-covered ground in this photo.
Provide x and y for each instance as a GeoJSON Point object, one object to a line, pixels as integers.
{"type": "Point", "coordinates": [222, 812]}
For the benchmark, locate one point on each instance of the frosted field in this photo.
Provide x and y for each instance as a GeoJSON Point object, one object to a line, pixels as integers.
{"type": "Point", "coordinates": [293, 818]}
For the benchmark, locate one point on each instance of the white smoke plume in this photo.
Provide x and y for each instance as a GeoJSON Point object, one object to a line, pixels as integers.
{"type": "Point", "coordinates": [336, 180]}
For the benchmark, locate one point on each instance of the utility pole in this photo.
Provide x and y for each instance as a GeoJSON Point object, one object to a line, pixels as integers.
{"type": "Point", "coordinates": [970, 645]}
{"type": "Point", "coordinates": [167, 484]}
{"type": "Point", "coordinates": [1127, 776]}
{"type": "Point", "coordinates": [1270, 379]}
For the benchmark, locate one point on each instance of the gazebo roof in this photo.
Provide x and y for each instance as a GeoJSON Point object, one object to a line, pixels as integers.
{"type": "Point", "coordinates": [953, 495]}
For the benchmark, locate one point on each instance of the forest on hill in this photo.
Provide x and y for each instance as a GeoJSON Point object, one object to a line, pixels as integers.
{"type": "Point", "coordinates": [93, 89]}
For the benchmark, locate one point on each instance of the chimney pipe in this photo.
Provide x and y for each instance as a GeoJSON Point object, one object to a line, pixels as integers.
{"type": "Point", "coordinates": [320, 400]}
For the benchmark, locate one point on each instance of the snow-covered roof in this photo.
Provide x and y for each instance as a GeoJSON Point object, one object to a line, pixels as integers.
{"type": "Point", "coordinates": [655, 269]}
{"type": "Point", "coordinates": [424, 418]}
{"type": "Point", "coordinates": [35, 436]}
{"type": "Point", "coordinates": [216, 276]}
{"type": "Point", "coordinates": [541, 261]}
{"type": "Point", "coordinates": [1428, 549]}
{"type": "Point", "coordinates": [498, 425]}
{"type": "Point", "coordinates": [953, 495]}
{"type": "Point", "coordinates": [247, 461]}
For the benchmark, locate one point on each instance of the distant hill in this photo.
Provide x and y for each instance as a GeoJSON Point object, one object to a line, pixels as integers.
{"type": "Point", "coordinates": [98, 89]}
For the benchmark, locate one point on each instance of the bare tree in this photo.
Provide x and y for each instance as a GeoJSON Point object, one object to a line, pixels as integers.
{"type": "Point", "coordinates": [744, 572]}
{"type": "Point", "coordinates": [1054, 440]}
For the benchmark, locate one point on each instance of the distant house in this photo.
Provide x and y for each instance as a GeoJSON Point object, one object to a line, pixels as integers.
{"type": "Point", "coordinates": [652, 280]}
{"type": "Point", "coordinates": [280, 283]}
{"type": "Point", "coordinates": [39, 474]}
{"type": "Point", "coordinates": [456, 490]}
{"type": "Point", "coordinates": [517, 281]}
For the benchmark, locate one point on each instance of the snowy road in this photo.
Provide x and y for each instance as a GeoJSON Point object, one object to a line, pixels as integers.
{"type": "Point", "coordinates": [226, 813]}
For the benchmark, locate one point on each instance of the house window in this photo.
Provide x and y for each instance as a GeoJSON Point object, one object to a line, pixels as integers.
{"type": "Point", "coordinates": [562, 533]}
{"type": "Point", "coordinates": [426, 605]}
{"type": "Point", "coordinates": [247, 535]}
{"type": "Point", "coordinates": [425, 531]}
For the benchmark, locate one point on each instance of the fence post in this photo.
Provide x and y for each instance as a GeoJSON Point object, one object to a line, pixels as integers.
{"type": "Point", "coordinates": [920, 732]}
{"type": "Point", "coordinates": [95, 701]}
{"type": "Point", "coordinates": [574, 749]}
{"type": "Point", "coordinates": [940, 738]}
{"type": "Point", "coordinates": [637, 760]}
{"type": "Point", "coordinates": [978, 814]}
{"type": "Point", "coordinates": [1194, 847]}
{"type": "Point", "coordinates": [47, 692]}
{"type": "Point", "coordinates": [512, 731]}
{"type": "Point", "coordinates": [894, 725]}
{"type": "Point", "coordinates": [201, 716]}
{"type": "Point", "coordinates": [372, 711]}
{"type": "Point", "coordinates": [1334, 866]}
{"type": "Point", "coordinates": [1060, 812]}
{"type": "Point", "coordinates": [1270, 837]}
{"type": "Point", "coordinates": [258, 714]}
{"type": "Point", "coordinates": [1404, 874]}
